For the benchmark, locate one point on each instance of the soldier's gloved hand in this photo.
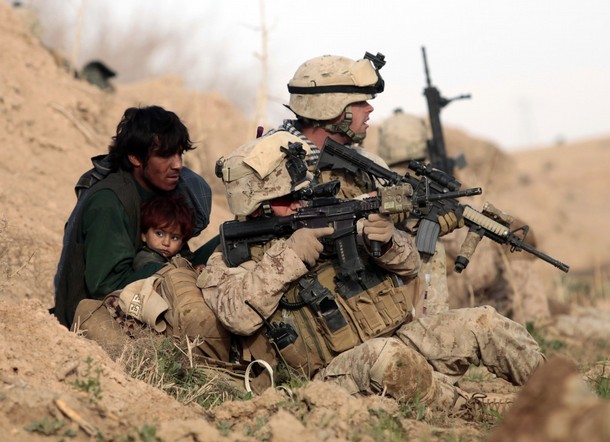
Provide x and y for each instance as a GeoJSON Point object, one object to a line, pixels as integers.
{"type": "Point", "coordinates": [378, 227]}
{"type": "Point", "coordinates": [449, 222]}
{"type": "Point", "coordinates": [304, 242]}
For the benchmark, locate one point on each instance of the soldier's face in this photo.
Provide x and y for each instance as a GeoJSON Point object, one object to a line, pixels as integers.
{"type": "Point", "coordinates": [360, 116]}
{"type": "Point", "coordinates": [285, 208]}
{"type": "Point", "coordinates": [159, 173]}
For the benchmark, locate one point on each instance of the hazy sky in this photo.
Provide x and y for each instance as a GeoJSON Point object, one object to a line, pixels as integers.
{"type": "Point", "coordinates": [538, 70]}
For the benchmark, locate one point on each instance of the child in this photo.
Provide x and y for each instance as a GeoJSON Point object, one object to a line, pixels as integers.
{"type": "Point", "coordinates": [166, 225]}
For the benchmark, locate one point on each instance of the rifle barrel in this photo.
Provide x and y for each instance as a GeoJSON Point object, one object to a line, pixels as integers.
{"type": "Point", "coordinates": [560, 265]}
{"type": "Point", "coordinates": [428, 81]}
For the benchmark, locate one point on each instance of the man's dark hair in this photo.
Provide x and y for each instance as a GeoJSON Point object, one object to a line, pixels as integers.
{"type": "Point", "coordinates": [145, 131]}
{"type": "Point", "coordinates": [168, 210]}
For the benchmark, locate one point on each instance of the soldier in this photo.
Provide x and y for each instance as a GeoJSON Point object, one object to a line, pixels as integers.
{"type": "Point", "coordinates": [358, 332]}
{"type": "Point", "coordinates": [495, 277]}
{"type": "Point", "coordinates": [402, 137]}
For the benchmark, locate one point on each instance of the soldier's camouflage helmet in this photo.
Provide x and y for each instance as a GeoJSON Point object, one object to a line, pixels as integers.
{"type": "Point", "coordinates": [262, 170]}
{"type": "Point", "coordinates": [402, 137]}
{"type": "Point", "coordinates": [323, 87]}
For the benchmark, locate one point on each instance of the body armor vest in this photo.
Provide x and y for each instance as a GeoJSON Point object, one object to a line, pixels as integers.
{"type": "Point", "coordinates": [322, 315]}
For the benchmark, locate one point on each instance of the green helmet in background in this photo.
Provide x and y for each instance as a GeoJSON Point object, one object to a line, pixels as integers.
{"type": "Point", "coordinates": [402, 137]}
{"type": "Point", "coordinates": [323, 88]}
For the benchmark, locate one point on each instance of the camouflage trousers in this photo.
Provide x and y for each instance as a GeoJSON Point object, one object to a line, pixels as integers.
{"type": "Point", "coordinates": [509, 282]}
{"type": "Point", "coordinates": [425, 358]}
{"type": "Point", "coordinates": [433, 275]}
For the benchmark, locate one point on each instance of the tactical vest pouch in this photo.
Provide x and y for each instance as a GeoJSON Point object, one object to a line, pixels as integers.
{"type": "Point", "coordinates": [332, 322]}
{"type": "Point", "coordinates": [340, 340]}
{"type": "Point", "coordinates": [295, 355]}
{"type": "Point", "coordinates": [305, 354]}
{"type": "Point", "coordinates": [328, 324]}
{"type": "Point", "coordinates": [406, 296]}
{"type": "Point", "coordinates": [288, 343]}
{"type": "Point", "coordinates": [381, 309]}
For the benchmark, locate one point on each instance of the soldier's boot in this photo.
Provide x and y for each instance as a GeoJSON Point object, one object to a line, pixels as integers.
{"type": "Point", "coordinates": [477, 406]}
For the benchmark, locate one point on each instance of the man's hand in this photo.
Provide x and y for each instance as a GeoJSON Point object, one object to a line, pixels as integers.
{"type": "Point", "coordinates": [449, 222]}
{"type": "Point", "coordinates": [304, 242]}
{"type": "Point", "coordinates": [378, 227]}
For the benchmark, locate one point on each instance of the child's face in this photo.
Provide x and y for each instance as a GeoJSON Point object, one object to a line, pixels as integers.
{"type": "Point", "coordinates": [167, 241]}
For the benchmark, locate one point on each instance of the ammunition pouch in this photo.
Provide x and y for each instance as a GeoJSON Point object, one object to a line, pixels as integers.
{"type": "Point", "coordinates": [326, 323]}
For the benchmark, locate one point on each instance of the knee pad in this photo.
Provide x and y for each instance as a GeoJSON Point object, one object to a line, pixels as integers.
{"type": "Point", "coordinates": [401, 372]}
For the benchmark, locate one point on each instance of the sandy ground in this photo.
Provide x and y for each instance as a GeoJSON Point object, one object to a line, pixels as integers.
{"type": "Point", "coordinates": [51, 124]}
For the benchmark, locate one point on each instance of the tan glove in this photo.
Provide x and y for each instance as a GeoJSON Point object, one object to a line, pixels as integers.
{"type": "Point", "coordinates": [304, 242]}
{"type": "Point", "coordinates": [378, 227]}
{"type": "Point", "coordinates": [449, 222]}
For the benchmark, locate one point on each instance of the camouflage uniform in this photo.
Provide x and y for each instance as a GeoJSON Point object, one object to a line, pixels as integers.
{"type": "Point", "coordinates": [499, 278]}
{"type": "Point", "coordinates": [449, 341]}
{"type": "Point", "coordinates": [494, 276]}
{"type": "Point", "coordinates": [405, 357]}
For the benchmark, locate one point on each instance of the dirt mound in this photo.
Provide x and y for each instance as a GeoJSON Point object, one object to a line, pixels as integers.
{"type": "Point", "coordinates": [556, 404]}
{"type": "Point", "coordinates": [51, 124]}
{"type": "Point", "coordinates": [38, 381]}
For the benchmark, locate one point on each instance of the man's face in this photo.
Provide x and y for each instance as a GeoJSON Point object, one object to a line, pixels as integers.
{"type": "Point", "coordinates": [168, 240]}
{"type": "Point", "coordinates": [159, 173]}
{"type": "Point", "coordinates": [360, 116]}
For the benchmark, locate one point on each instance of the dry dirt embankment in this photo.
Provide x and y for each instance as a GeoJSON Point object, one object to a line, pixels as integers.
{"type": "Point", "coordinates": [51, 124]}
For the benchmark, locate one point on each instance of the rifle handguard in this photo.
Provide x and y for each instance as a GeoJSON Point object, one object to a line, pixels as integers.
{"type": "Point", "coordinates": [430, 198]}
{"type": "Point", "coordinates": [475, 234]}
{"type": "Point", "coordinates": [485, 222]}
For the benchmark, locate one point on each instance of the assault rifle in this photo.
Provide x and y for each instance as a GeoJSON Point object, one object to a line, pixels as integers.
{"type": "Point", "coordinates": [236, 237]}
{"type": "Point", "coordinates": [437, 153]}
{"type": "Point", "coordinates": [432, 183]}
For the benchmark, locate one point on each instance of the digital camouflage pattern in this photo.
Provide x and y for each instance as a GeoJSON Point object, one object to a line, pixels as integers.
{"type": "Point", "coordinates": [449, 342]}
{"type": "Point", "coordinates": [401, 364]}
{"type": "Point", "coordinates": [494, 276]}
{"type": "Point", "coordinates": [255, 172]}
{"type": "Point", "coordinates": [499, 278]}
{"type": "Point", "coordinates": [330, 70]}
{"type": "Point", "coordinates": [402, 137]}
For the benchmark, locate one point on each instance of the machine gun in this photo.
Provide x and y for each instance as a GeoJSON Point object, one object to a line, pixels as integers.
{"type": "Point", "coordinates": [434, 194]}
{"type": "Point", "coordinates": [436, 146]}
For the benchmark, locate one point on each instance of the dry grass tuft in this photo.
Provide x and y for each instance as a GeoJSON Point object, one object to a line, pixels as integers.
{"type": "Point", "coordinates": [159, 362]}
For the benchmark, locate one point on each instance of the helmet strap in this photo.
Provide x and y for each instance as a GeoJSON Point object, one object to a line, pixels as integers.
{"type": "Point", "coordinates": [343, 127]}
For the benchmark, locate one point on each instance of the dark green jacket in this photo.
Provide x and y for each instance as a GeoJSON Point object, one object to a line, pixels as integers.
{"type": "Point", "coordinates": [98, 256]}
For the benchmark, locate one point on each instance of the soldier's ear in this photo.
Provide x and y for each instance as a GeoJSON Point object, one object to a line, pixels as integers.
{"type": "Point", "coordinates": [134, 160]}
